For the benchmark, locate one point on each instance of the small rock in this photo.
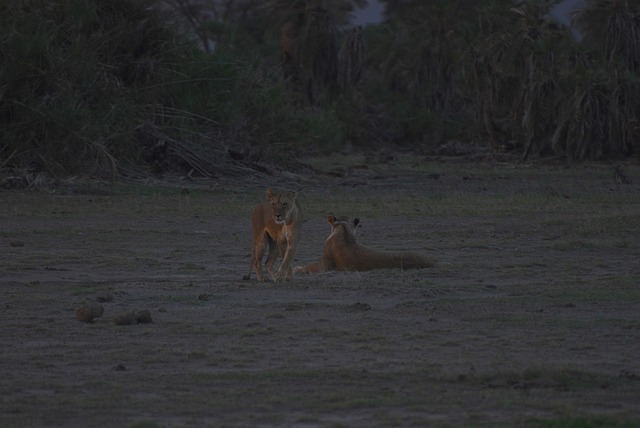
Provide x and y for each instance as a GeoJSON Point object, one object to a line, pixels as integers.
{"type": "Point", "coordinates": [87, 313]}
{"type": "Point", "coordinates": [143, 317]}
{"type": "Point", "coordinates": [359, 307]}
{"type": "Point", "coordinates": [84, 314]}
{"type": "Point", "coordinates": [127, 318]}
{"type": "Point", "coordinates": [104, 297]}
{"type": "Point", "coordinates": [131, 317]}
{"type": "Point", "coordinates": [97, 309]}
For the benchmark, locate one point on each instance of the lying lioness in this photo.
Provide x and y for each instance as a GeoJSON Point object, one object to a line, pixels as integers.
{"type": "Point", "coordinates": [277, 221]}
{"type": "Point", "coordinates": [342, 252]}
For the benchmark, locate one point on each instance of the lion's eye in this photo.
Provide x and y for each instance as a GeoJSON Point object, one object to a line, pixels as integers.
{"type": "Point", "coordinates": [284, 204]}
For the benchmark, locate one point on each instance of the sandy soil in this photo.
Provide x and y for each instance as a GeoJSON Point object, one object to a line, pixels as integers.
{"type": "Point", "coordinates": [531, 318]}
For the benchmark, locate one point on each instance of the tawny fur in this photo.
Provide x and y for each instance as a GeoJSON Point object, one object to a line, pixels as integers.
{"type": "Point", "coordinates": [277, 222]}
{"type": "Point", "coordinates": [342, 253]}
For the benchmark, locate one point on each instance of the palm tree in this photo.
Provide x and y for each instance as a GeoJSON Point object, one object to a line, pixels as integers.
{"type": "Point", "coordinates": [309, 42]}
{"type": "Point", "coordinates": [612, 29]}
{"type": "Point", "coordinates": [598, 112]}
{"type": "Point", "coordinates": [415, 55]}
{"type": "Point", "coordinates": [513, 72]}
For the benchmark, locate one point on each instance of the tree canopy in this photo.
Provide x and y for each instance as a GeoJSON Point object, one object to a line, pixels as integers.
{"type": "Point", "coordinates": [111, 87]}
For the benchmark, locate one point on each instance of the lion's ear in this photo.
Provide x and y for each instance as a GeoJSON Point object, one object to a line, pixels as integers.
{"type": "Point", "coordinates": [331, 219]}
{"type": "Point", "coordinates": [293, 195]}
{"type": "Point", "coordinates": [356, 222]}
{"type": "Point", "coordinates": [269, 193]}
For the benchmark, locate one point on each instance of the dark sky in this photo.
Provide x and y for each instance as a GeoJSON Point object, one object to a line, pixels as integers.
{"type": "Point", "coordinates": [371, 14]}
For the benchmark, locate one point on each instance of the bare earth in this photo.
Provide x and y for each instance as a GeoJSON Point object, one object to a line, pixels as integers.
{"type": "Point", "coordinates": [532, 317]}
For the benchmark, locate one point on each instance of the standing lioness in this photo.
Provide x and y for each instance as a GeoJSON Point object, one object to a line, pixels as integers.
{"type": "Point", "coordinates": [277, 221]}
{"type": "Point", "coordinates": [342, 252]}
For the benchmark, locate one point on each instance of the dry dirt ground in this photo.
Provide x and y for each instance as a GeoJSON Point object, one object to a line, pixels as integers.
{"type": "Point", "coordinates": [531, 318]}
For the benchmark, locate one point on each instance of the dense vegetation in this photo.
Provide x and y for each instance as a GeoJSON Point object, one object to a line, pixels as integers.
{"type": "Point", "coordinates": [107, 87]}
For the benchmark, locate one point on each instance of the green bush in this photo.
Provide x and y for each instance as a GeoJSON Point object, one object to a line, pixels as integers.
{"type": "Point", "coordinates": [93, 86]}
{"type": "Point", "coordinates": [98, 86]}
{"type": "Point", "coordinates": [74, 79]}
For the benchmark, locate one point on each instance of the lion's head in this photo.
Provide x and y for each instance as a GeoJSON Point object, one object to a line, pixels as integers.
{"type": "Point", "coordinates": [282, 205]}
{"type": "Point", "coordinates": [341, 226]}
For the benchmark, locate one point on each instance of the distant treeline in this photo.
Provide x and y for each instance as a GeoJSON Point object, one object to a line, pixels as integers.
{"type": "Point", "coordinates": [108, 87]}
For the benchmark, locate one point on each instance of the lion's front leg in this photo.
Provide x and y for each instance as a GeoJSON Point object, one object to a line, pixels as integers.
{"type": "Point", "coordinates": [288, 248]}
{"type": "Point", "coordinates": [274, 252]}
{"type": "Point", "coordinates": [258, 252]}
